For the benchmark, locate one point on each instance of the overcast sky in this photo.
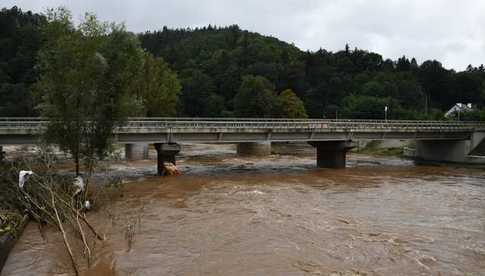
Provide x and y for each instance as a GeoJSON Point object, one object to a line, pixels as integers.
{"type": "Point", "coordinates": [450, 31]}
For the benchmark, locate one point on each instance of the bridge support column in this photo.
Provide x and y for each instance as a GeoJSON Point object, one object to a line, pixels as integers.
{"type": "Point", "coordinates": [254, 148]}
{"type": "Point", "coordinates": [166, 153]}
{"type": "Point", "coordinates": [136, 151]}
{"type": "Point", "coordinates": [442, 151]}
{"type": "Point", "coordinates": [331, 154]}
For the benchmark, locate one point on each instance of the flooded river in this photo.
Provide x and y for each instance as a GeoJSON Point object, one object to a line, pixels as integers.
{"type": "Point", "coordinates": [280, 216]}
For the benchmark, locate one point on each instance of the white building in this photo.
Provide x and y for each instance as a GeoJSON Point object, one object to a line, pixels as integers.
{"type": "Point", "coordinates": [457, 109]}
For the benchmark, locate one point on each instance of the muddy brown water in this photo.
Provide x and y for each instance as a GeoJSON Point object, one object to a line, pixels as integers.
{"type": "Point", "coordinates": [281, 216]}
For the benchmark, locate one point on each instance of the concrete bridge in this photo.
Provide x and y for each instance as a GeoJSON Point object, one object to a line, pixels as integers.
{"type": "Point", "coordinates": [435, 140]}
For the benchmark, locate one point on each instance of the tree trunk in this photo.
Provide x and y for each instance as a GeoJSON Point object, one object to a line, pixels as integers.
{"type": "Point", "coordinates": [76, 160]}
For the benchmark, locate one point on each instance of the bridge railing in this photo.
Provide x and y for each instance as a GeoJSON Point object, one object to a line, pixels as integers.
{"type": "Point", "coordinates": [229, 119]}
{"type": "Point", "coordinates": [266, 123]}
{"type": "Point", "coordinates": [320, 124]}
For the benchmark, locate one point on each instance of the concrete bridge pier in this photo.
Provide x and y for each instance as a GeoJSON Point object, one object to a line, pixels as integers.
{"type": "Point", "coordinates": [331, 154]}
{"type": "Point", "coordinates": [442, 150]}
{"type": "Point", "coordinates": [254, 148]}
{"type": "Point", "coordinates": [166, 153]}
{"type": "Point", "coordinates": [137, 151]}
{"type": "Point", "coordinates": [456, 151]}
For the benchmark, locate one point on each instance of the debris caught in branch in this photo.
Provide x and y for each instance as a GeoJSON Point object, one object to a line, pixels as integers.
{"type": "Point", "coordinates": [23, 176]}
{"type": "Point", "coordinates": [79, 183]}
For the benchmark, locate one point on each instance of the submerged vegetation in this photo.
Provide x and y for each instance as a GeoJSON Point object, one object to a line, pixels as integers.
{"type": "Point", "coordinates": [58, 200]}
{"type": "Point", "coordinates": [10, 222]}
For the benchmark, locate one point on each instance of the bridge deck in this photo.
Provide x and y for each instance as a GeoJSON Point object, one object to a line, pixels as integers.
{"type": "Point", "coordinates": [233, 130]}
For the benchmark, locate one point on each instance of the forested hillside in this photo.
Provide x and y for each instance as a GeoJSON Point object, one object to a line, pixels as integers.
{"type": "Point", "coordinates": [352, 83]}
{"type": "Point", "coordinates": [226, 71]}
{"type": "Point", "coordinates": [20, 41]}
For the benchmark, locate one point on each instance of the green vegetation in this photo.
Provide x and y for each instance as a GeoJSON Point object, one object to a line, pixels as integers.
{"type": "Point", "coordinates": [53, 199]}
{"type": "Point", "coordinates": [256, 98]}
{"type": "Point", "coordinates": [10, 222]}
{"type": "Point", "coordinates": [226, 71]}
{"type": "Point", "coordinates": [91, 78]}
{"type": "Point", "coordinates": [86, 80]}
{"type": "Point", "coordinates": [290, 105]}
{"type": "Point", "coordinates": [198, 97]}
{"type": "Point", "coordinates": [344, 84]}
{"type": "Point", "coordinates": [20, 41]}
{"type": "Point", "coordinates": [158, 87]}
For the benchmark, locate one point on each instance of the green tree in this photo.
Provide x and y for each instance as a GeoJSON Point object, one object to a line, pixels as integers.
{"type": "Point", "coordinates": [87, 76]}
{"type": "Point", "coordinates": [256, 98]}
{"type": "Point", "coordinates": [20, 40]}
{"type": "Point", "coordinates": [158, 87]}
{"type": "Point", "coordinates": [290, 105]}
{"type": "Point", "coordinates": [437, 83]}
{"type": "Point", "coordinates": [213, 60]}
{"type": "Point", "coordinates": [198, 98]}
{"type": "Point", "coordinates": [373, 88]}
{"type": "Point", "coordinates": [366, 107]}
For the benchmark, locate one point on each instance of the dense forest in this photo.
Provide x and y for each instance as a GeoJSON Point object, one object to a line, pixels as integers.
{"type": "Point", "coordinates": [229, 72]}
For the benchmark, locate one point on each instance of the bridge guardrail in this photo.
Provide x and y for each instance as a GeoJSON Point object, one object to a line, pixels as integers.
{"type": "Point", "coordinates": [184, 123]}
{"type": "Point", "coordinates": [212, 119]}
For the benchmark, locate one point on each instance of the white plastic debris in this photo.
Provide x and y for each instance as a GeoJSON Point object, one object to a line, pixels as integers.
{"type": "Point", "coordinates": [87, 205]}
{"type": "Point", "coordinates": [23, 176]}
{"type": "Point", "coordinates": [79, 183]}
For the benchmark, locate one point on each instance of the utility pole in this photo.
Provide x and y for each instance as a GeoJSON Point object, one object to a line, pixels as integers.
{"type": "Point", "coordinates": [426, 104]}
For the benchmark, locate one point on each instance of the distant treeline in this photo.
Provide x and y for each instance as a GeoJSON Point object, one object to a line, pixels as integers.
{"type": "Point", "coordinates": [226, 71]}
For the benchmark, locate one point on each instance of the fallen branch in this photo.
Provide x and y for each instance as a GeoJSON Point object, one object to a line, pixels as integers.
{"type": "Point", "coordinates": [83, 237]}
{"type": "Point", "coordinates": [64, 236]}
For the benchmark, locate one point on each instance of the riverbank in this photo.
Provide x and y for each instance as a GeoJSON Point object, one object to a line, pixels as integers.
{"type": "Point", "coordinates": [391, 148]}
{"type": "Point", "coordinates": [11, 228]}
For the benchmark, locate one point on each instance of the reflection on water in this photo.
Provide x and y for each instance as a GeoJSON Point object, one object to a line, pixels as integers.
{"type": "Point", "coordinates": [281, 216]}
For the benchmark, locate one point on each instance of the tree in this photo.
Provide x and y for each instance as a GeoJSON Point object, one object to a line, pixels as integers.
{"type": "Point", "coordinates": [158, 87]}
{"type": "Point", "coordinates": [256, 98]}
{"type": "Point", "coordinates": [198, 98]}
{"type": "Point", "coordinates": [212, 61]}
{"type": "Point", "coordinates": [20, 40]}
{"type": "Point", "coordinates": [469, 87]}
{"type": "Point", "coordinates": [290, 105]}
{"type": "Point", "coordinates": [403, 64]}
{"type": "Point", "coordinates": [373, 88]}
{"type": "Point", "coordinates": [366, 107]}
{"type": "Point", "coordinates": [87, 75]}
{"type": "Point", "coordinates": [437, 83]}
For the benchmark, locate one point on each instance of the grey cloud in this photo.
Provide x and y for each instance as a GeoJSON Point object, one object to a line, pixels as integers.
{"type": "Point", "coordinates": [447, 30]}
